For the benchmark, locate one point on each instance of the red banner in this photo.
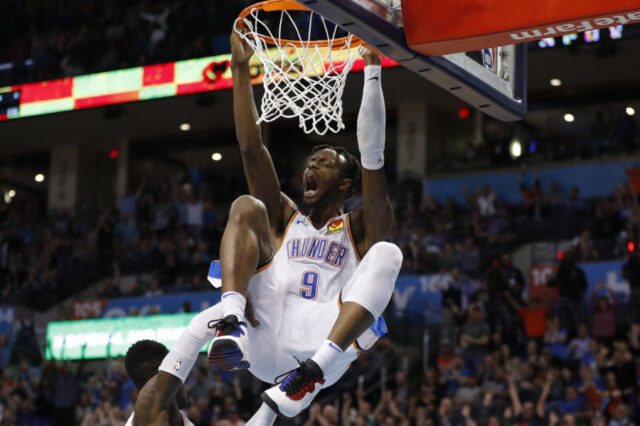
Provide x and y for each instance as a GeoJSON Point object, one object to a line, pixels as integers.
{"type": "Point", "coordinates": [538, 278]}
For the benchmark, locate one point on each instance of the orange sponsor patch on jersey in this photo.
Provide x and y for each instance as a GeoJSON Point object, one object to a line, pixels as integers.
{"type": "Point", "coordinates": [336, 226]}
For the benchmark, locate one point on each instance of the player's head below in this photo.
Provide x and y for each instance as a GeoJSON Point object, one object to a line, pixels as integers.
{"type": "Point", "coordinates": [331, 175]}
{"type": "Point", "coordinates": [142, 361]}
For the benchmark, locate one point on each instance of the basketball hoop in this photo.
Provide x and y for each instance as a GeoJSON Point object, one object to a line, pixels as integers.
{"type": "Point", "coordinates": [306, 62]}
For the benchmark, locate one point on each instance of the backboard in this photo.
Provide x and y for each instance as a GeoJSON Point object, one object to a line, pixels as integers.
{"type": "Point", "coordinates": [492, 80]}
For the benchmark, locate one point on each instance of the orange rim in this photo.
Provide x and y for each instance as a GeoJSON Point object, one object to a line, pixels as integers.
{"type": "Point", "coordinates": [280, 5]}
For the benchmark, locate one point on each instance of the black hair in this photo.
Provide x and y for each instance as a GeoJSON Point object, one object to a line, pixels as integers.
{"type": "Point", "coordinates": [142, 361]}
{"type": "Point", "coordinates": [351, 169]}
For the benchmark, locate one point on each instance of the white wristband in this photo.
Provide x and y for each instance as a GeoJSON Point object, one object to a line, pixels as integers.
{"type": "Point", "coordinates": [372, 120]}
{"type": "Point", "coordinates": [179, 361]}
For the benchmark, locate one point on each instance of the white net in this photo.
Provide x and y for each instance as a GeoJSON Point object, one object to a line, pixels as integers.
{"type": "Point", "coordinates": [303, 78]}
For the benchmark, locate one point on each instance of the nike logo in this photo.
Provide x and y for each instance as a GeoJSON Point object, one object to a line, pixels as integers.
{"type": "Point", "coordinates": [373, 78]}
{"type": "Point", "coordinates": [231, 293]}
{"type": "Point", "coordinates": [335, 347]}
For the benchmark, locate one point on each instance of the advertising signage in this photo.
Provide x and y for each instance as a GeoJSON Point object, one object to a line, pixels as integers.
{"type": "Point", "coordinates": [130, 85]}
{"type": "Point", "coordinates": [111, 337]}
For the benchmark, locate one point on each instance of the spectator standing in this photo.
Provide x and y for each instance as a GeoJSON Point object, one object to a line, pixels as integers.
{"type": "Point", "coordinates": [194, 216]}
{"type": "Point", "coordinates": [452, 306]}
{"type": "Point", "coordinates": [534, 317]}
{"type": "Point", "coordinates": [603, 303]}
{"type": "Point", "coordinates": [475, 338]}
{"type": "Point", "coordinates": [571, 282]}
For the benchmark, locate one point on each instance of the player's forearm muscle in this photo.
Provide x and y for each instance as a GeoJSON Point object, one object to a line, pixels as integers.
{"type": "Point", "coordinates": [378, 214]}
{"type": "Point", "coordinates": [156, 397]}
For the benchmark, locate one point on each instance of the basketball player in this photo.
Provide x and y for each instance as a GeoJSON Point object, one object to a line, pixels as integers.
{"type": "Point", "coordinates": [160, 394]}
{"type": "Point", "coordinates": [318, 282]}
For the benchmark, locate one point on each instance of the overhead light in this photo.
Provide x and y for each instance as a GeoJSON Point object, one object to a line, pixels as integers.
{"type": "Point", "coordinates": [515, 149]}
{"type": "Point", "coordinates": [185, 127]}
{"type": "Point", "coordinates": [556, 82]}
{"type": "Point", "coordinates": [216, 156]}
{"type": "Point", "coordinates": [39, 177]}
{"type": "Point", "coordinates": [569, 118]}
{"type": "Point", "coordinates": [630, 111]}
{"type": "Point", "coordinates": [11, 193]}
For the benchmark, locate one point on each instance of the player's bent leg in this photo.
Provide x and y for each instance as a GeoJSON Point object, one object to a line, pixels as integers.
{"type": "Point", "coordinates": [367, 294]}
{"type": "Point", "coordinates": [365, 297]}
{"type": "Point", "coordinates": [246, 243]}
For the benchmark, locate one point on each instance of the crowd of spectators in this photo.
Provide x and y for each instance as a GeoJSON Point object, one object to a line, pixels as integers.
{"type": "Point", "coordinates": [495, 358]}
{"type": "Point", "coordinates": [543, 370]}
{"type": "Point", "coordinates": [44, 40]}
{"type": "Point", "coordinates": [467, 237]}
{"type": "Point", "coordinates": [166, 231]}
{"type": "Point", "coordinates": [165, 234]}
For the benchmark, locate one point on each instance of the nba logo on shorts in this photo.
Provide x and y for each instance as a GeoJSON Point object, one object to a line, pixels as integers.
{"type": "Point", "coordinates": [489, 58]}
{"type": "Point", "coordinates": [177, 365]}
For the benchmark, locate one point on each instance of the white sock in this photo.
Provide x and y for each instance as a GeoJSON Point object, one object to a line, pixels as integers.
{"type": "Point", "coordinates": [265, 416]}
{"type": "Point", "coordinates": [326, 355]}
{"type": "Point", "coordinates": [233, 303]}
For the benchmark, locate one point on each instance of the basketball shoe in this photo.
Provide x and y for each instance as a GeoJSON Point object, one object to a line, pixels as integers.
{"type": "Point", "coordinates": [229, 349]}
{"type": "Point", "coordinates": [295, 389]}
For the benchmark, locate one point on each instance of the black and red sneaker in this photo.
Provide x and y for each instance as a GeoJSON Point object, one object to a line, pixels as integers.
{"type": "Point", "coordinates": [295, 389]}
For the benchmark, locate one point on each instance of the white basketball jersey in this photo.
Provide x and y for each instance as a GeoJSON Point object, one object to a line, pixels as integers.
{"type": "Point", "coordinates": [315, 264]}
{"type": "Point", "coordinates": [296, 295]}
{"type": "Point", "coordinates": [186, 421]}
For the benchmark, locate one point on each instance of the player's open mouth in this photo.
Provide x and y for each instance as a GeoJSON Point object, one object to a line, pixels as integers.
{"type": "Point", "coordinates": [310, 185]}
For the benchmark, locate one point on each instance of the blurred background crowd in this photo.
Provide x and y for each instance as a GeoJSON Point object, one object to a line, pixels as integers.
{"type": "Point", "coordinates": [49, 40]}
{"type": "Point", "coordinates": [168, 229]}
{"type": "Point", "coordinates": [497, 357]}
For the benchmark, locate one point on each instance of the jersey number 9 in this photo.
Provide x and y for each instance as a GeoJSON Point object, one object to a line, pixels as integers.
{"type": "Point", "coordinates": [309, 283]}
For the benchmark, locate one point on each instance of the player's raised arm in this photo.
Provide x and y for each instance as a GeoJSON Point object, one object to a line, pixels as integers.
{"type": "Point", "coordinates": [256, 160]}
{"type": "Point", "coordinates": [373, 220]}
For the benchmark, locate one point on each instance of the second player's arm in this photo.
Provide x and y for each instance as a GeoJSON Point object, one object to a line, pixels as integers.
{"type": "Point", "coordinates": [156, 398]}
{"type": "Point", "coordinates": [375, 217]}
{"type": "Point", "coordinates": [258, 166]}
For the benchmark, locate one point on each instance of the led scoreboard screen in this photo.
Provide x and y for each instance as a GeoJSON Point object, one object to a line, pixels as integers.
{"type": "Point", "coordinates": [9, 104]}
{"type": "Point", "coordinates": [131, 85]}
